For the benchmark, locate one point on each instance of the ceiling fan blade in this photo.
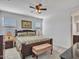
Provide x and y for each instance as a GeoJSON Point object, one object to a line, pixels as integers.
{"type": "Point", "coordinates": [32, 7]}
{"type": "Point", "coordinates": [43, 9]}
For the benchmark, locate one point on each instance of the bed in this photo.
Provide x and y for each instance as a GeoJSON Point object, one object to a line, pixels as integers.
{"type": "Point", "coordinates": [26, 39]}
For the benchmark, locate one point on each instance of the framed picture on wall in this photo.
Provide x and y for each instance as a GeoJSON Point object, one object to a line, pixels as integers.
{"type": "Point", "coordinates": [26, 24]}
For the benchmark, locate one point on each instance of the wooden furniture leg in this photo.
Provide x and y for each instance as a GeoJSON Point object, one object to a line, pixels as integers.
{"type": "Point", "coordinates": [51, 51]}
{"type": "Point", "coordinates": [33, 55]}
{"type": "Point", "coordinates": [36, 56]}
{"type": "Point", "coordinates": [23, 57]}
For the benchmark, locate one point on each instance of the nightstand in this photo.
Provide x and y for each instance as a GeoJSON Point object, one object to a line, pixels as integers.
{"type": "Point", "coordinates": [9, 41]}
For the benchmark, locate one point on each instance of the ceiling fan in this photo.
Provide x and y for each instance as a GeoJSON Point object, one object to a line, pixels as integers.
{"type": "Point", "coordinates": [38, 8]}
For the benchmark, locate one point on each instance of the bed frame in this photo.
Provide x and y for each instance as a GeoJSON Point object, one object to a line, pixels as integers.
{"type": "Point", "coordinates": [27, 49]}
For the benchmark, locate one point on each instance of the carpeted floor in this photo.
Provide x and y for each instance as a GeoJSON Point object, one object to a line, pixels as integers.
{"type": "Point", "coordinates": [13, 54]}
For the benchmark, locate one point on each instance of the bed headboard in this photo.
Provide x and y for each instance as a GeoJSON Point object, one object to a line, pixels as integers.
{"type": "Point", "coordinates": [25, 32]}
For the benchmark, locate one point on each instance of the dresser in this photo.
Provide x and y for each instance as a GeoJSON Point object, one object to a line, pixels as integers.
{"type": "Point", "coordinates": [75, 38]}
{"type": "Point", "coordinates": [1, 46]}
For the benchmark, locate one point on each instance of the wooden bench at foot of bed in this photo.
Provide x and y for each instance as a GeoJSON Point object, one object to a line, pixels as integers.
{"type": "Point", "coordinates": [27, 49]}
{"type": "Point", "coordinates": [40, 49]}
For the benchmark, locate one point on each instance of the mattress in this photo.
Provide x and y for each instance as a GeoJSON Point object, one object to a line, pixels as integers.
{"type": "Point", "coordinates": [29, 40]}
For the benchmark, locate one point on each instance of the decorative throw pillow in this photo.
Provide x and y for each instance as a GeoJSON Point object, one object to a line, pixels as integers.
{"type": "Point", "coordinates": [22, 34]}
{"type": "Point", "coordinates": [31, 33]}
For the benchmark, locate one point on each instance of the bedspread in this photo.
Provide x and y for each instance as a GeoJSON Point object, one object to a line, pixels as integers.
{"type": "Point", "coordinates": [28, 40]}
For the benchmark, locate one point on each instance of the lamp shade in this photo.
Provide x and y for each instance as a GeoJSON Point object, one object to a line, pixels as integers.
{"type": "Point", "coordinates": [9, 33]}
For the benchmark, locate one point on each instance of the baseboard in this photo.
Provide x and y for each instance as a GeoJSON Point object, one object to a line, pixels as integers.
{"type": "Point", "coordinates": [60, 46]}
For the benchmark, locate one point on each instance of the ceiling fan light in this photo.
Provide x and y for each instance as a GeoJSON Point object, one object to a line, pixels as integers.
{"type": "Point", "coordinates": [38, 11]}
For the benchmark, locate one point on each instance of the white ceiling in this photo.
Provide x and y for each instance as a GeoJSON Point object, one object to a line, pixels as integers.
{"type": "Point", "coordinates": [53, 6]}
